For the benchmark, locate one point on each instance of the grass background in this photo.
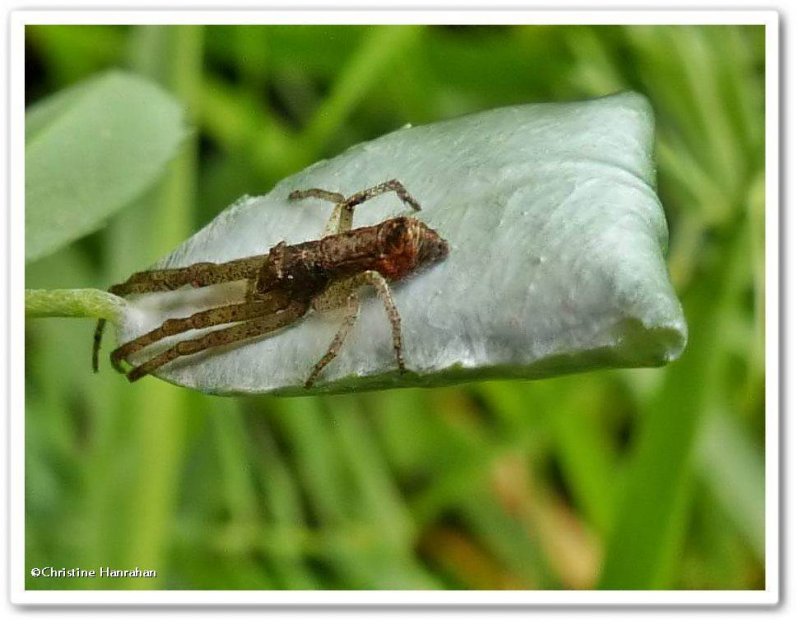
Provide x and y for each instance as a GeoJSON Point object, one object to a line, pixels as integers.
{"type": "Point", "coordinates": [614, 479]}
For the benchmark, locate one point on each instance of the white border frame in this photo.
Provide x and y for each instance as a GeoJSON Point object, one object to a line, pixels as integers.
{"type": "Point", "coordinates": [17, 572]}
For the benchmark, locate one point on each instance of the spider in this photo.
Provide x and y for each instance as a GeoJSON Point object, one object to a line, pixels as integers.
{"type": "Point", "coordinates": [291, 280]}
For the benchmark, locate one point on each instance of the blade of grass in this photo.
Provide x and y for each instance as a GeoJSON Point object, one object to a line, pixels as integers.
{"type": "Point", "coordinates": [328, 488]}
{"type": "Point", "coordinates": [393, 563]}
{"type": "Point", "coordinates": [280, 536]}
{"type": "Point", "coordinates": [305, 427]}
{"type": "Point", "coordinates": [584, 449]}
{"type": "Point", "coordinates": [162, 411]}
{"type": "Point", "coordinates": [506, 539]}
{"type": "Point", "coordinates": [230, 440]}
{"type": "Point", "coordinates": [733, 469]}
{"type": "Point", "coordinates": [402, 420]}
{"type": "Point", "coordinates": [646, 536]}
{"type": "Point", "coordinates": [381, 46]}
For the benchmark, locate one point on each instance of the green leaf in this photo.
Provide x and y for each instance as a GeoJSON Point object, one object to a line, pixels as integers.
{"type": "Point", "coordinates": [556, 265]}
{"type": "Point", "coordinates": [89, 151]}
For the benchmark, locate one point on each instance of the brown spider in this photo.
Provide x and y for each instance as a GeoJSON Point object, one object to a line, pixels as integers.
{"type": "Point", "coordinates": [284, 284]}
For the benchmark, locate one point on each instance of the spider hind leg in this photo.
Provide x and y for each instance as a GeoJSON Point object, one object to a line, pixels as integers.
{"type": "Point", "coordinates": [234, 334]}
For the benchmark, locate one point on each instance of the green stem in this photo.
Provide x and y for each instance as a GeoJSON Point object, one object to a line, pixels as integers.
{"type": "Point", "coordinates": [173, 56]}
{"type": "Point", "coordinates": [72, 303]}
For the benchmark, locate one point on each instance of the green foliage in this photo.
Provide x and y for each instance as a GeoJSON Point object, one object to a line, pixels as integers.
{"type": "Point", "coordinates": [635, 479]}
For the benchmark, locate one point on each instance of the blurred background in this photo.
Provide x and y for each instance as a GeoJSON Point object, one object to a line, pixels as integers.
{"type": "Point", "coordinates": [610, 479]}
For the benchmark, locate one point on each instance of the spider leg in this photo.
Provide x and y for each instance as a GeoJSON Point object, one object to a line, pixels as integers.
{"type": "Point", "coordinates": [379, 283]}
{"type": "Point", "coordinates": [230, 313]}
{"type": "Point", "coordinates": [333, 225]}
{"type": "Point", "coordinates": [196, 275]}
{"type": "Point", "coordinates": [322, 194]}
{"type": "Point", "coordinates": [98, 338]}
{"type": "Point", "coordinates": [384, 187]}
{"type": "Point", "coordinates": [338, 340]}
{"type": "Point", "coordinates": [341, 219]}
{"type": "Point", "coordinates": [333, 295]}
{"type": "Point", "coordinates": [225, 336]}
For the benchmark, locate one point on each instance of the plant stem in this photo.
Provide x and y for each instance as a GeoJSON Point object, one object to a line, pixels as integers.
{"type": "Point", "coordinates": [173, 56]}
{"type": "Point", "coordinates": [72, 303]}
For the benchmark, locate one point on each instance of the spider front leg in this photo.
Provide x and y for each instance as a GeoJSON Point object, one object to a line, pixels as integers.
{"type": "Point", "coordinates": [349, 288]}
{"type": "Point", "coordinates": [341, 219]}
